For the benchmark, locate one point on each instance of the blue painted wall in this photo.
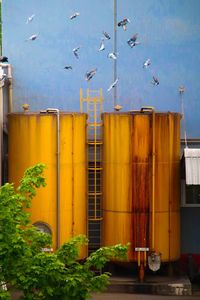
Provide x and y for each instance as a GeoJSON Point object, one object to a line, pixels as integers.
{"type": "Point", "coordinates": [169, 32]}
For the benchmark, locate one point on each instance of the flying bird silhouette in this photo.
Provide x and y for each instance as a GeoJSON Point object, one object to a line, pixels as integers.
{"type": "Point", "coordinates": [112, 85]}
{"type": "Point", "coordinates": [32, 37]}
{"type": "Point", "coordinates": [155, 81]}
{"type": "Point", "coordinates": [147, 63]}
{"type": "Point", "coordinates": [3, 59]}
{"type": "Point", "coordinates": [30, 19]}
{"type": "Point", "coordinates": [102, 46]}
{"type": "Point", "coordinates": [134, 44]}
{"type": "Point", "coordinates": [112, 55]}
{"type": "Point", "coordinates": [90, 74]}
{"type": "Point", "coordinates": [68, 67]}
{"type": "Point", "coordinates": [124, 23]}
{"type": "Point", "coordinates": [132, 41]}
{"type": "Point", "coordinates": [76, 14]}
{"type": "Point", "coordinates": [75, 51]}
{"type": "Point", "coordinates": [106, 35]}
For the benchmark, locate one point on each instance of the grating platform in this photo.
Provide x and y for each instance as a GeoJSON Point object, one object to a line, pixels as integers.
{"type": "Point", "coordinates": [160, 285]}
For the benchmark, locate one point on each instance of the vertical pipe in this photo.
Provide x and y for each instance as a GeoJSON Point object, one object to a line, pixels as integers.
{"type": "Point", "coordinates": [138, 258]}
{"type": "Point", "coordinates": [1, 131]}
{"type": "Point", "coordinates": [10, 90]}
{"type": "Point", "coordinates": [57, 111]}
{"type": "Point", "coordinates": [95, 158]}
{"type": "Point", "coordinates": [1, 99]}
{"type": "Point", "coordinates": [115, 51]}
{"type": "Point", "coordinates": [153, 180]}
{"type": "Point", "coordinates": [169, 200]}
{"type": "Point", "coordinates": [145, 258]}
{"type": "Point", "coordinates": [58, 175]}
{"type": "Point", "coordinates": [1, 50]}
{"type": "Point", "coordinates": [72, 175]}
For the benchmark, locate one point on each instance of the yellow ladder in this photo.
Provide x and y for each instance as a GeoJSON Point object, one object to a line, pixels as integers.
{"type": "Point", "coordinates": [92, 104]}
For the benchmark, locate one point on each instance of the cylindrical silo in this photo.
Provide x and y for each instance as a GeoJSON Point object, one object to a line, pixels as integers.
{"type": "Point", "coordinates": [141, 184]}
{"type": "Point", "coordinates": [36, 138]}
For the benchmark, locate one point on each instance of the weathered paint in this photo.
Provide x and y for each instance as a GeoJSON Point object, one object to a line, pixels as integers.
{"type": "Point", "coordinates": [127, 182]}
{"type": "Point", "coordinates": [32, 139]}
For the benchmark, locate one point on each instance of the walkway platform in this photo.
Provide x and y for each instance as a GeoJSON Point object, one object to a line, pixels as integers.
{"type": "Point", "coordinates": [157, 285]}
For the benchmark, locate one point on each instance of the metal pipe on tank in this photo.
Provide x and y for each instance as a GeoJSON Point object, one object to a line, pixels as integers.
{"type": "Point", "coordinates": [169, 200]}
{"type": "Point", "coordinates": [152, 110]}
{"type": "Point", "coordinates": [57, 111]}
{"type": "Point", "coordinates": [153, 179]}
{"type": "Point", "coordinates": [73, 216]}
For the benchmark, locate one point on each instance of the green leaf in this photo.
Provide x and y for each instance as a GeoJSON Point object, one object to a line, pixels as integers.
{"type": "Point", "coordinates": [40, 275]}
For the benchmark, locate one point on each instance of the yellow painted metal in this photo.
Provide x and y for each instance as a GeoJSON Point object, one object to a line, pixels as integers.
{"type": "Point", "coordinates": [167, 194]}
{"type": "Point", "coordinates": [129, 153]}
{"type": "Point", "coordinates": [117, 190]}
{"type": "Point", "coordinates": [92, 104]}
{"type": "Point", "coordinates": [32, 139]}
{"type": "Point", "coordinates": [94, 107]}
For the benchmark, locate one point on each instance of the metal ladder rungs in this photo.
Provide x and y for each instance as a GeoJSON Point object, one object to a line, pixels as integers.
{"type": "Point", "coordinates": [93, 102]}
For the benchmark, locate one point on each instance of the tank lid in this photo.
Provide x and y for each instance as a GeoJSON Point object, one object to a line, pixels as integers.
{"type": "Point", "coordinates": [44, 112]}
{"type": "Point", "coordinates": [139, 112]}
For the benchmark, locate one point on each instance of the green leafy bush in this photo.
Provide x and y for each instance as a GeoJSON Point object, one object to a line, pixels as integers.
{"type": "Point", "coordinates": [41, 275]}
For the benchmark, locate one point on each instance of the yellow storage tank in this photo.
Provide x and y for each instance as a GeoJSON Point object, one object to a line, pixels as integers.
{"type": "Point", "coordinates": [33, 138]}
{"type": "Point", "coordinates": [141, 184]}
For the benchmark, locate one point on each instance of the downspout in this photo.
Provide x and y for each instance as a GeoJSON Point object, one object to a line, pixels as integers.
{"type": "Point", "coordinates": [72, 232]}
{"type": "Point", "coordinates": [1, 27]}
{"type": "Point", "coordinates": [10, 89]}
{"type": "Point", "coordinates": [9, 74]}
{"type": "Point", "coordinates": [9, 84]}
{"type": "Point", "coordinates": [152, 110]}
{"type": "Point", "coordinates": [57, 111]}
{"type": "Point", "coordinates": [153, 181]}
{"type": "Point", "coordinates": [1, 129]}
{"type": "Point", "coordinates": [169, 199]}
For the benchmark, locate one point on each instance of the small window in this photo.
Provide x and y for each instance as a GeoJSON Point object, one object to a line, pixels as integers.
{"type": "Point", "coordinates": [43, 227]}
{"type": "Point", "coordinates": [190, 195]}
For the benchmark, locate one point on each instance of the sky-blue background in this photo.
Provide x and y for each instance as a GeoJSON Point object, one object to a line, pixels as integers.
{"type": "Point", "coordinates": [169, 32]}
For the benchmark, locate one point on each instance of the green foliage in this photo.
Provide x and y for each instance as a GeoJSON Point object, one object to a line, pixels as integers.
{"type": "Point", "coordinates": [41, 275]}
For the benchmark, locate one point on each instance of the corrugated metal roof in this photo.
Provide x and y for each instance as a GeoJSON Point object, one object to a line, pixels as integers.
{"type": "Point", "coordinates": [192, 166]}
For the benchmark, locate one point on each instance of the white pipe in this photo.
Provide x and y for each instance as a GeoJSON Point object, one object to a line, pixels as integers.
{"type": "Point", "coordinates": [9, 77]}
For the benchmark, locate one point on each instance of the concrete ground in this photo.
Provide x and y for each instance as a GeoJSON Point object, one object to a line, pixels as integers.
{"type": "Point", "coordinates": [126, 296]}
{"type": "Point", "coordinates": [118, 296]}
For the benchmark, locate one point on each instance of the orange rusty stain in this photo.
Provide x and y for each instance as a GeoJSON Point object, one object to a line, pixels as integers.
{"type": "Point", "coordinates": [127, 182]}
